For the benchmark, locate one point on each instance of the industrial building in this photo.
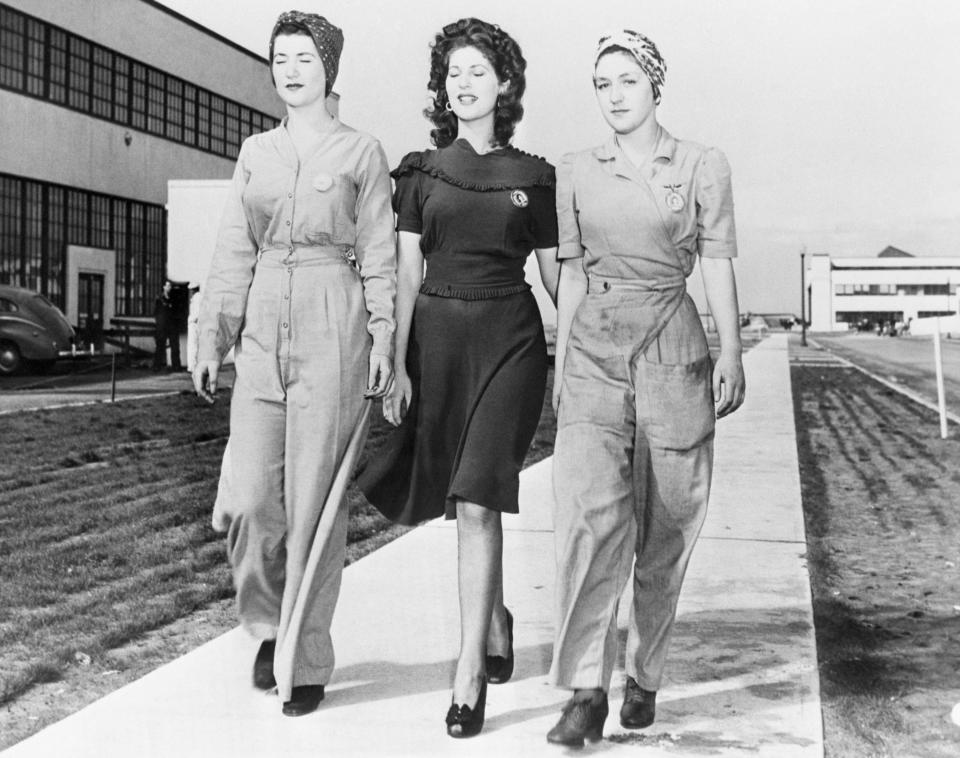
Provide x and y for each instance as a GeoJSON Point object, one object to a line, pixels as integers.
{"type": "Point", "coordinates": [893, 287]}
{"type": "Point", "coordinates": [101, 103]}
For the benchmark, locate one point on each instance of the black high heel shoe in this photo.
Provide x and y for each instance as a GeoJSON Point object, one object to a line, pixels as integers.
{"type": "Point", "coordinates": [499, 667]}
{"type": "Point", "coordinates": [464, 721]}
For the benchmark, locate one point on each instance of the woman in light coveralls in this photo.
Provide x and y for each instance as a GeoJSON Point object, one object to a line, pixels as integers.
{"type": "Point", "coordinates": [635, 384]}
{"type": "Point", "coordinates": [302, 286]}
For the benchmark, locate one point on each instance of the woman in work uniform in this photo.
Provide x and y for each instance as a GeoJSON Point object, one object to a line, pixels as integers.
{"type": "Point", "coordinates": [302, 285]}
{"type": "Point", "coordinates": [635, 384]}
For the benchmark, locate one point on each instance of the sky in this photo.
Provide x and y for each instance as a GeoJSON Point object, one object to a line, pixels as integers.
{"type": "Point", "coordinates": [840, 118]}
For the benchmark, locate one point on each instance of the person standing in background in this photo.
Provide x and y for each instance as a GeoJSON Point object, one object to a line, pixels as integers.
{"type": "Point", "coordinates": [166, 330]}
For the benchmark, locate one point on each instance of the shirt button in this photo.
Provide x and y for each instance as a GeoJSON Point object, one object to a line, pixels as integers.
{"type": "Point", "coordinates": [288, 223]}
{"type": "Point", "coordinates": [286, 297]}
{"type": "Point", "coordinates": [284, 324]}
{"type": "Point", "coordinates": [289, 194]}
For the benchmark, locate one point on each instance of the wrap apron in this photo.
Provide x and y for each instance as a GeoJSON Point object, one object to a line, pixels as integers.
{"type": "Point", "coordinates": [632, 467]}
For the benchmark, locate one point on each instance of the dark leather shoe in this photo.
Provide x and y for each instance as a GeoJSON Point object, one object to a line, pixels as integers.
{"type": "Point", "coordinates": [303, 700]}
{"type": "Point", "coordinates": [464, 721]}
{"type": "Point", "coordinates": [581, 720]}
{"type": "Point", "coordinates": [263, 678]}
{"type": "Point", "coordinates": [639, 706]}
{"type": "Point", "coordinates": [500, 668]}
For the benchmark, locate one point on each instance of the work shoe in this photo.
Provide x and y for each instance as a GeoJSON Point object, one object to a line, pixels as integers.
{"type": "Point", "coordinates": [639, 706]}
{"type": "Point", "coordinates": [303, 700]}
{"type": "Point", "coordinates": [263, 678]}
{"type": "Point", "coordinates": [581, 720]}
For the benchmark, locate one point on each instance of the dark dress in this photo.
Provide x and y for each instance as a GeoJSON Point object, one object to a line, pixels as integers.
{"type": "Point", "coordinates": [477, 356]}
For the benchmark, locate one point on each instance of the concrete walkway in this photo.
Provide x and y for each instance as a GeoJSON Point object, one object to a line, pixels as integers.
{"type": "Point", "coordinates": [742, 674]}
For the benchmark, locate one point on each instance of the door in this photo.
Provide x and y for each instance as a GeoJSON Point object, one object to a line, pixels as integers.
{"type": "Point", "coordinates": [90, 309]}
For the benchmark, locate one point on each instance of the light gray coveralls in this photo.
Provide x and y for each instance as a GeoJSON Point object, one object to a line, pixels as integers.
{"type": "Point", "coordinates": [634, 448]}
{"type": "Point", "coordinates": [282, 290]}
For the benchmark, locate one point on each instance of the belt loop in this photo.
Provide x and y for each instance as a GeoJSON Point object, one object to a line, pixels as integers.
{"type": "Point", "coordinates": [259, 255]}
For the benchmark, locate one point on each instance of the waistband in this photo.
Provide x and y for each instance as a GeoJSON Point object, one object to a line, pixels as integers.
{"type": "Point", "coordinates": [303, 255]}
{"type": "Point", "coordinates": [601, 284]}
{"type": "Point", "coordinates": [468, 292]}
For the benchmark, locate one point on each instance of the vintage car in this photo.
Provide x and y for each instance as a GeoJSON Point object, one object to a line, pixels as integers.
{"type": "Point", "coordinates": [31, 329]}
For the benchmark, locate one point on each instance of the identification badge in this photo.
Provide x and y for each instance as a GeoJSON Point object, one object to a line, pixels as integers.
{"type": "Point", "coordinates": [322, 182]}
{"type": "Point", "coordinates": [519, 198]}
{"type": "Point", "coordinates": [674, 199]}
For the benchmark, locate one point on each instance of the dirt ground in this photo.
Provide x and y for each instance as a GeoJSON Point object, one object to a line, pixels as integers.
{"type": "Point", "coordinates": [881, 495]}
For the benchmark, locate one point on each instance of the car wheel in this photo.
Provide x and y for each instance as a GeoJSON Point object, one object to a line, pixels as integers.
{"type": "Point", "coordinates": [10, 359]}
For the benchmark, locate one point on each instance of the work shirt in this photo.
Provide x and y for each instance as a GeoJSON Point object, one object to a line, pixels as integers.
{"type": "Point", "coordinates": [335, 201]}
{"type": "Point", "coordinates": [650, 222]}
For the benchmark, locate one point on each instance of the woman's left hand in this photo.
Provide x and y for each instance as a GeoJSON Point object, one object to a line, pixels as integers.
{"type": "Point", "coordinates": [729, 384]}
{"type": "Point", "coordinates": [380, 378]}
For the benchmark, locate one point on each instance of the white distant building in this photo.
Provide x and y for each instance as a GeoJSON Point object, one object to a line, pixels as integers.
{"type": "Point", "coordinates": [892, 287]}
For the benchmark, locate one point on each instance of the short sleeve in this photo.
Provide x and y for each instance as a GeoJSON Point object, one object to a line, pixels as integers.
{"type": "Point", "coordinates": [543, 207]}
{"type": "Point", "coordinates": [568, 224]}
{"type": "Point", "coordinates": [717, 234]}
{"type": "Point", "coordinates": [408, 195]}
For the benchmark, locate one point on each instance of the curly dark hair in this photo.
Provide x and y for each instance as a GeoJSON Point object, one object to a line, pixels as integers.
{"type": "Point", "coordinates": [503, 53]}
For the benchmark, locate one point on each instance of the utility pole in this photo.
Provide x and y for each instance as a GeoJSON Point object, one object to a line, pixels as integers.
{"type": "Point", "coordinates": [803, 297]}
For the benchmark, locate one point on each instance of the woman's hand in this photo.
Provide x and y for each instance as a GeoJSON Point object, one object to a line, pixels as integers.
{"type": "Point", "coordinates": [397, 402]}
{"type": "Point", "coordinates": [729, 384]}
{"type": "Point", "coordinates": [557, 383]}
{"type": "Point", "coordinates": [380, 377]}
{"type": "Point", "coordinates": [205, 375]}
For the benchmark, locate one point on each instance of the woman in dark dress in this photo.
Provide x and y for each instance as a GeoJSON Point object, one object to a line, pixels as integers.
{"type": "Point", "coordinates": [470, 352]}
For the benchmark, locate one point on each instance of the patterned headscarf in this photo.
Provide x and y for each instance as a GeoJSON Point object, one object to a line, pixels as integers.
{"type": "Point", "coordinates": [327, 37]}
{"type": "Point", "coordinates": [643, 49]}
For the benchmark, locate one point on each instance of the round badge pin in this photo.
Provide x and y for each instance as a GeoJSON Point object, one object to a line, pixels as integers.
{"type": "Point", "coordinates": [675, 201]}
{"type": "Point", "coordinates": [322, 182]}
{"type": "Point", "coordinates": [519, 198]}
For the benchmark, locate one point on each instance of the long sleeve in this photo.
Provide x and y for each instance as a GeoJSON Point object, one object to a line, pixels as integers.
{"type": "Point", "coordinates": [375, 249]}
{"type": "Point", "coordinates": [231, 272]}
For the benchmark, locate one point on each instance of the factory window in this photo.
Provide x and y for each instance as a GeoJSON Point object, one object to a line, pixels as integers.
{"type": "Point", "coordinates": [12, 44]}
{"type": "Point", "coordinates": [36, 47]}
{"type": "Point", "coordinates": [39, 220]}
{"type": "Point", "coordinates": [138, 96]}
{"type": "Point", "coordinates": [155, 101]}
{"type": "Point", "coordinates": [216, 124]}
{"type": "Point", "coordinates": [102, 82]}
{"type": "Point", "coordinates": [121, 89]}
{"type": "Point", "coordinates": [46, 62]}
{"type": "Point", "coordinates": [189, 114]}
{"type": "Point", "coordinates": [57, 63]}
{"type": "Point", "coordinates": [930, 314]}
{"type": "Point", "coordinates": [79, 78]}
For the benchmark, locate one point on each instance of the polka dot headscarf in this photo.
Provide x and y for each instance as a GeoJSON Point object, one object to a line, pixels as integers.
{"type": "Point", "coordinates": [327, 37]}
{"type": "Point", "coordinates": [643, 49]}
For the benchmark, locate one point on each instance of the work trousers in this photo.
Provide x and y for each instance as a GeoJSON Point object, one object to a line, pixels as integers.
{"type": "Point", "coordinates": [632, 467]}
{"type": "Point", "coordinates": [301, 370]}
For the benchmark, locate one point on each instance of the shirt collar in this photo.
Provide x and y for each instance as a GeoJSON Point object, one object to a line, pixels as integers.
{"type": "Point", "coordinates": [665, 148]}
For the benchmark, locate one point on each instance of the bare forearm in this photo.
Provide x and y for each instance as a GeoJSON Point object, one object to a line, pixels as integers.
{"type": "Point", "coordinates": [409, 279]}
{"type": "Point", "coordinates": [571, 289]}
{"type": "Point", "coordinates": [720, 287]}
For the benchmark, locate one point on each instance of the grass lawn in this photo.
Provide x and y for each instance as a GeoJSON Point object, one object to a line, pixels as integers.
{"type": "Point", "coordinates": [109, 565]}
{"type": "Point", "coordinates": [881, 496]}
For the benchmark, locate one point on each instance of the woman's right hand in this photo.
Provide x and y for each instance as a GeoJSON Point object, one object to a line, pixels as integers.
{"type": "Point", "coordinates": [397, 401]}
{"type": "Point", "coordinates": [205, 375]}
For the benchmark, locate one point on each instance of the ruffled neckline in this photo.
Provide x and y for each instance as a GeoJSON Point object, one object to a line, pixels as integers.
{"type": "Point", "coordinates": [460, 165]}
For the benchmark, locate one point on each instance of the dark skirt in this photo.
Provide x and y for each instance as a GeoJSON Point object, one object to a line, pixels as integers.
{"type": "Point", "coordinates": [479, 371]}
